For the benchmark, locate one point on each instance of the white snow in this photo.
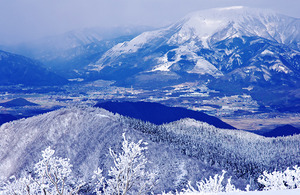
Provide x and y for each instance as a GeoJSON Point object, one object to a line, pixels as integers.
{"type": "Point", "coordinates": [204, 67]}
{"type": "Point", "coordinates": [102, 115]}
{"type": "Point", "coordinates": [135, 44]}
{"type": "Point", "coordinates": [164, 64]}
{"type": "Point", "coordinates": [188, 50]}
{"type": "Point", "coordinates": [126, 47]}
{"type": "Point", "coordinates": [267, 52]}
{"type": "Point", "coordinates": [279, 67]}
{"type": "Point", "coordinates": [182, 175]}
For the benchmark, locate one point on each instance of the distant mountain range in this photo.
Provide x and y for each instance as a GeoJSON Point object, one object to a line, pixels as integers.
{"type": "Point", "coordinates": [16, 69]}
{"type": "Point", "coordinates": [234, 50]}
{"type": "Point", "coordinates": [68, 54]}
{"type": "Point", "coordinates": [234, 44]}
{"type": "Point", "coordinates": [159, 114]}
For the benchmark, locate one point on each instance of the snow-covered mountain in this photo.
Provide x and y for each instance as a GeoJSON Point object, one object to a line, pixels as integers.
{"type": "Point", "coordinates": [230, 49]}
{"type": "Point", "coordinates": [179, 151]}
{"type": "Point", "coordinates": [49, 47]}
{"type": "Point", "coordinates": [67, 54]}
{"type": "Point", "coordinates": [233, 41]}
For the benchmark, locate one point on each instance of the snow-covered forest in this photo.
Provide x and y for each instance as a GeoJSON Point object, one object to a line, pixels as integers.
{"type": "Point", "coordinates": [178, 156]}
{"type": "Point", "coordinates": [128, 175]}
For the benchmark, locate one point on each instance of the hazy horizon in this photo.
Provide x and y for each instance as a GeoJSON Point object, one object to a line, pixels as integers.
{"type": "Point", "coordinates": [33, 19]}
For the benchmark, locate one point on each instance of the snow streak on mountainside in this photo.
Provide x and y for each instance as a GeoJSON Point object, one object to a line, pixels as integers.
{"type": "Point", "coordinates": [178, 152]}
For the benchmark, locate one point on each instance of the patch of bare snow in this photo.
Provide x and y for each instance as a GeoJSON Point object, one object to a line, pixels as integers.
{"type": "Point", "coordinates": [279, 67]}
{"type": "Point", "coordinates": [267, 52]}
{"type": "Point", "coordinates": [204, 67]}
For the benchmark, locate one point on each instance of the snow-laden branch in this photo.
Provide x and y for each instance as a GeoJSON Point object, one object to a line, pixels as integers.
{"type": "Point", "coordinates": [128, 175]}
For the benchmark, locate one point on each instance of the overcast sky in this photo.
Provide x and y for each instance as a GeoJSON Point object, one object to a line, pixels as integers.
{"type": "Point", "coordinates": [23, 20]}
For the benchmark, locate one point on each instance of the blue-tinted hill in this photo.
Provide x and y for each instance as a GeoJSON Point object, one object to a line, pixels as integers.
{"type": "Point", "coordinates": [158, 114]}
{"type": "Point", "coordinates": [16, 69]}
{"type": "Point", "coordinates": [285, 130]}
{"type": "Point", "coordinates": [19, 102]}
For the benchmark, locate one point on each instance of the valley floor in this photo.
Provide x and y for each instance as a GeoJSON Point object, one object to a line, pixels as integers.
{"type": "Point", "coordinates": [263, 121]}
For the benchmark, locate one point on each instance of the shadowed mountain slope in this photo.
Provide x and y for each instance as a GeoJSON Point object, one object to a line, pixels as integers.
{"type": "Point", "coordinates": [18, 102]}
{"type": "Point", "coordinates": [285, 130]}
{"type": "Point", "coordinates": [158, 114]}
{"type": "Point", "coordinates": [6, 118]}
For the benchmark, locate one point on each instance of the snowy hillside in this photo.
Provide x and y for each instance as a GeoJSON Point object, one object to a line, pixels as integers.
{"type": "Point", "coordinates": [178, 152]}
{"type": "Point", "coordinates": [85, 135]}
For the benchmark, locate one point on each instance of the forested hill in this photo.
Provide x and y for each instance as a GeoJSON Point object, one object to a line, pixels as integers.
{"type": "Point", "coordinates": [181, 151]}
{"type": "Point", "coordinates": [159, 114]}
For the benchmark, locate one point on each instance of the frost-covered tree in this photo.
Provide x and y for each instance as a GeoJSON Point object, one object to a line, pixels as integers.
{"type": "Point", "coordinates": [23, 185]}
{"type": "Point", "coordinates": [212, 185]}
{"type": "Point", "coordinates": [208, 186]}
{"type": "Point", "coordinates": [52, 175]}
{"type": "Point", "coordinates": [278, 180]}
{"type": "Point", "coordinates": [128, 175]}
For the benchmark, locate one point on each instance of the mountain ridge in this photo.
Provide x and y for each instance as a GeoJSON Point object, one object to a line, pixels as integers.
{"type": "Point", "coordinates": [18, 69]}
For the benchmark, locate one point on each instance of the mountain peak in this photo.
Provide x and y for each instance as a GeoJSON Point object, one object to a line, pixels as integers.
{"type": "Point", "coordinates": [221, 23]}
